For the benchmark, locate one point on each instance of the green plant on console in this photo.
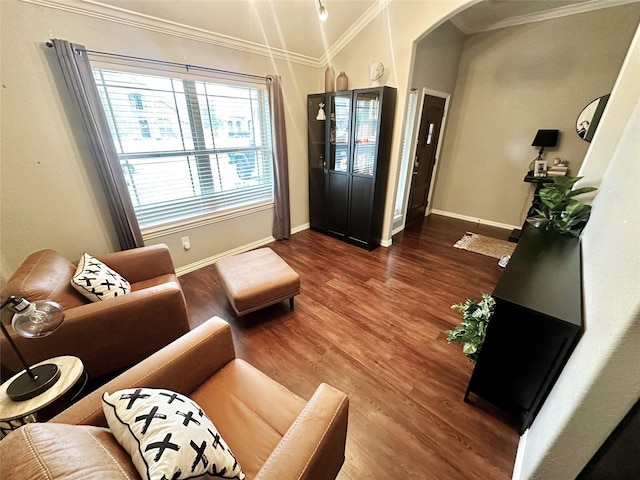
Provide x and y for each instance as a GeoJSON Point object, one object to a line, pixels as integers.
{"type": "Point", "coordinates": [559, 210]}
{"type": "Point", "coordinates": [473, 328]}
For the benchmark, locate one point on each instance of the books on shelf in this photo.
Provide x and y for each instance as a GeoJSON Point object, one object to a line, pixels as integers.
{"type": "Point", "coordinates": [557, 170]}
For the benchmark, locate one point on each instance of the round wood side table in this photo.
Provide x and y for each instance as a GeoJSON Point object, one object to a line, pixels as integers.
{"type": "Point", "coordinates": [15, 414]}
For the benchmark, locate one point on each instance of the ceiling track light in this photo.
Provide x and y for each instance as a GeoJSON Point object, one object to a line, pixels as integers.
{"type": "Point", "coordinates": [322, 12]}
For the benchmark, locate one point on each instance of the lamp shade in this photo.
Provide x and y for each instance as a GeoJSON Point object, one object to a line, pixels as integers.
{"type": "Point", "coordinates": [545, 138]}
{"type": "Point", "coordinates": [37, 319]}
{"type": "Point", "coordinates": [32, 319]}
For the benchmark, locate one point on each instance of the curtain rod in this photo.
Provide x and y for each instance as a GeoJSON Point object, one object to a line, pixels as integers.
{"type": "Point", "coordinates": [172, 64]}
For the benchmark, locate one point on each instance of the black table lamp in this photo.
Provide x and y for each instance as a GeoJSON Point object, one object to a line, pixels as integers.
{"type": "Point", "coordinates": [32, 320]}
{"type": "Point", "coordinates": [545, 138]}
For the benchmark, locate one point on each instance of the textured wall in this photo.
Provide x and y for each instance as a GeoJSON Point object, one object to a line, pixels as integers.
{"type": "Point", "coordinates": [600, 382]}
{"type": "Point", "coordinates": [512, 82]}
{"type": "Point", "coordinates": [437, 59]}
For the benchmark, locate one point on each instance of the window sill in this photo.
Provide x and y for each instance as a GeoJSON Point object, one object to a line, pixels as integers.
{"type": "Point", "coordinates": [188, 224]}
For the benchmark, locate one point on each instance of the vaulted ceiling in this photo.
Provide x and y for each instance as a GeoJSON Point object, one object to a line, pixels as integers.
{"type": "Point", "coordinates": [292, 27]}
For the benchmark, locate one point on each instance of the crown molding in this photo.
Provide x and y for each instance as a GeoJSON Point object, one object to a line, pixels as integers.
{"type": "Point", "coordinates": [588, 6]}
{"type": "Point", "coordinates": [93, 9]}
{"type": "Point", "coordinates": [354, 30]}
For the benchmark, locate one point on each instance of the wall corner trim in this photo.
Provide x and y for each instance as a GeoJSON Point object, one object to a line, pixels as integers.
{"type": "Point", "coordinates": [517, 467]}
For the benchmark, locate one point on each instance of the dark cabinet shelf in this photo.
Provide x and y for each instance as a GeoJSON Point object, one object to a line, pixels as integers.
{"type": "Point", "coordinates": [536, 324]}
{"type": "Point", "coordinates": [349, 155]}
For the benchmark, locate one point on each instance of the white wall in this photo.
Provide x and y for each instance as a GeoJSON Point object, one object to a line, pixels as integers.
{"type": "Point", "coordinates": [600, 382]}
{"type": "Point", "coordinates": [50, 193]}
{"type": "Point", "coordinates": [512, 82]}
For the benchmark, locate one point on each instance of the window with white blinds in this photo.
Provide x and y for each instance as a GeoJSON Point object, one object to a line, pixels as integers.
{"type": "Point", "coordinates": [188, 148]}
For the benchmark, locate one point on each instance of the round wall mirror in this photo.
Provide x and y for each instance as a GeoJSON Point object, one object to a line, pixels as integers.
{"type": "Point", "coordinates": [589, 118]}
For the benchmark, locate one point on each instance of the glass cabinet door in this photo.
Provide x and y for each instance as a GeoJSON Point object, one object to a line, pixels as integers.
{"type": "Point", "coordinates": [340, 120]}
{"type": "Point", "coordinates": [317, 130]}
{"type": "Point", "coordinates": [367, 118]}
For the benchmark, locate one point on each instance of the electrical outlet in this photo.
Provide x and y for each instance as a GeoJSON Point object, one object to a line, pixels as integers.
{"type": "Point", "coordinates": [186, 244]}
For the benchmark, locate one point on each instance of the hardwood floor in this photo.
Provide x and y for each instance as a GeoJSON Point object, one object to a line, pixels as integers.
{"type": "Point", "coordinates": [372, 324]}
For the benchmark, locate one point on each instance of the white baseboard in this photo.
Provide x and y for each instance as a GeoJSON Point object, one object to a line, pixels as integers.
{"type": "Point", "coordinates": [244, 248]}
{"type": "Point", "coordinates": [299, 228]}
{"type": "Point", "coordinates": [517, 467]}
{"type": "Point", "coordinates": [482, 221]}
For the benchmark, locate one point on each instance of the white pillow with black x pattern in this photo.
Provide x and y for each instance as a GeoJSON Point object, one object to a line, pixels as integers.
{"type": "Point", "coordinates": [97, 281]}
{"type": "Point", "coordinates": [168, 436]}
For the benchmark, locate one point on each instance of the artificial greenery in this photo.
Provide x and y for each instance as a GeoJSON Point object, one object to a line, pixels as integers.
{"type": "Point", "coordinates": [473, 328]}
{"type": "Point", "coordinates": [559, 211]}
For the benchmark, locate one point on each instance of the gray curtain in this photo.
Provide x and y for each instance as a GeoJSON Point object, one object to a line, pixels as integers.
{"type": "Point", "coordinates": [79, 79]}
{"type": "Point", "coordinates": [282, 213]}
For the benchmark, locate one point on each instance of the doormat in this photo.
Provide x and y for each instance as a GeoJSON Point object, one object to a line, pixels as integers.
{"type": "Point", "coordinates": [492, 247]}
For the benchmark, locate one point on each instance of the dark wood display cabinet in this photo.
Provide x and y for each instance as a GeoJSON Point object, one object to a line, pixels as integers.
{"type": "Point", "coordinates": [536, 324]}
{"type": "Point", "coordinates": [349, 153]}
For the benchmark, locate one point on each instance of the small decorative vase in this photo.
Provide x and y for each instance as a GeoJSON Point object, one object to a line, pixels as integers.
{"type": "Point", "coordinates": [328, 79]}
{"type": "Point", "coordinates": [342, 82]}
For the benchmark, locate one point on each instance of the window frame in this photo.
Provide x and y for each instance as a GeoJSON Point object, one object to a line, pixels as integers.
{"type": "Point", "coordinates": [219, 215]}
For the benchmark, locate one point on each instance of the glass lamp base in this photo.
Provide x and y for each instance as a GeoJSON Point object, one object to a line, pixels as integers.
{"type": "Point", "coordinates": [24, 388]}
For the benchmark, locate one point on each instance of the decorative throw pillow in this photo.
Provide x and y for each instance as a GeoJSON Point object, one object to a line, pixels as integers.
{"type": "Point", "coordinates": [168, 435]}
{"type": "Point", "coordinates": [96, 281]}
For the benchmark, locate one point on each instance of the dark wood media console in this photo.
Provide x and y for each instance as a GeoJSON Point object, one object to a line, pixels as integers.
{"type": "Point", "coordinates": [537, 322]}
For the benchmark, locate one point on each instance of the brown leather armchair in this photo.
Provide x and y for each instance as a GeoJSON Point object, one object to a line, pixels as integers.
{"type": "Point", "coordinates": [109, 335]}
{"type": "Point", "coordinates": [273, 433]}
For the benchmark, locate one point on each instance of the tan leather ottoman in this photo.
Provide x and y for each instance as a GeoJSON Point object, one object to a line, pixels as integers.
{"type": "Point", "coordinates": [257, 279]}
